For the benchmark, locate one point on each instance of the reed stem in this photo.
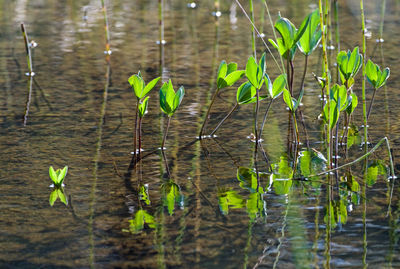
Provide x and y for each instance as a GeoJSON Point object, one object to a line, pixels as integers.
{"type": "Point", "coordinates": [136, 132]}
{"type": "Point", "coordinates": [106, 28]}
{"type": "Point", "coordinates": [253, 33]}
{"type": "Point", "coordinates": [28, 50]}
{"type": "Point", "coordinates": [364, 103]}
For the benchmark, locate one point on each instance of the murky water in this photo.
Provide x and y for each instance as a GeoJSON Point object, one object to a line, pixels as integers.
{"type": "Point", "coordinates": [79, 111]}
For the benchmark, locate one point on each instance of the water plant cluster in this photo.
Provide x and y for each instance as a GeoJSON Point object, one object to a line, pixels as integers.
{"type": "Point", "coordinates": [300, 164]}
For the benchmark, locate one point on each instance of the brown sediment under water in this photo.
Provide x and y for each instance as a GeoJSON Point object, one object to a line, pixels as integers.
{"type": "Point", "coordinates": [217, 210]}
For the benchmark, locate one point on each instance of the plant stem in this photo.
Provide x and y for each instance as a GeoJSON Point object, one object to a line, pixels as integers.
{"type": "Point", "coordinates": [370, 105]}
{"type": "Point", "coordinates": [259, 35]}
{"type": "Point", "coordinates": [207, 113]}
{"type": "Point", "coordinates": [224, 119]}
{"type": "Point", "coordinates": [140, 137]}
{"type": "Point", "coordinates": [255, 123]}
{"type": "Point", "coordinates": [103, 7]}
{"type": "Point", "coordinates": [265, 117]}
{"type": "Point", "coordinates": [327, 83]}
{"type": "Point", "coordinates": [165, 134]}
{"type": "Point", "coordinates": [28, 50]}
{"type": "Point", "coordinates": [364, 49]}
{"type": "Point", "coordinates": [136, 131]}
{"type": "Point", "coordinates": [291, 76]}
{"type": "Point", "coordinates": [304, 72]}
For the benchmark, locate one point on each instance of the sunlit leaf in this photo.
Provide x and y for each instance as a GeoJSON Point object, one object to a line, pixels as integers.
{"type": "Point", "coordinates": [53, 197]}
{"type": "Point", "coordinates": [143, 107]}
{"type": "Point", "coordinates": [278, 86]}
{"type": "Point", "coordinates": [312, 34]}
{"type": "Point", "coordinates": [53, 175]}
{"type": "Point", "coordinates": [63, 198]}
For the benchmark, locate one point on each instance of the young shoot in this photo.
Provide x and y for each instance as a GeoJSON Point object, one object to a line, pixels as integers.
{"type": "Point", "coordinates": [169, 103]}
{"type": "Point", "coordinates": [227, 76]}
{"type": "Point", "coordinates": [376, 78]}
{"type": "Point", "coordinates": [141, 90]}
{"type": "Point", "coordinates": [57, 177]}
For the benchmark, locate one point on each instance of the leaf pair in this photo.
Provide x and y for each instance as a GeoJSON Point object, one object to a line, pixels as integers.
{"type": "Point", "coordinates": [139, 86]}
{"type": "Point", "coordinates": [312, 34]}
{"type": "Point", "coordinates": [58, 193]}
{"type": "Point", "coordinates": [246, 93]}
{"type": "Point", "coordinates": [142, 217]}
{"type": "Point", "coordinates": [169, 100]}
{"type": "Point", "coordinates": [58, 176]}
{"type": "Point", "coordinates": [375, 76]}
{"type": "Point", "coordinates": [256, 73]}
{"type": "Point", "coordinates": [228, 74]}
{"type": "Point", "coordinates": [287, 43]}
{"type": "Point", "coordinates": [349, 64]}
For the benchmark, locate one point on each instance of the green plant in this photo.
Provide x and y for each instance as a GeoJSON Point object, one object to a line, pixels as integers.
{"type": "Point", "coordinates": [349, 64]}
{"type": "Point", "coordinates": [226, 77]}
{"type": "Point", "coordinates": [169, 103]}
{"type": "Point", "coordinates": [141, 90]}
{"type": "Point", "coordinates": [376, 78]}
{"type": "Point", "coordinates": [57, 177]}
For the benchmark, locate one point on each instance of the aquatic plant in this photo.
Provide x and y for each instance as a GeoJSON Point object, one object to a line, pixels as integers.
{"type": "Point", "coordinates": [226, 77]}
{"type": "Point", "coordinates": [169, 103]}
{"type": "Point", "coordinates": [376, 78]}
{"type": "Point", "coordinates": [141, 90]}
{"type": "Point", "coordinates": [57, 177]}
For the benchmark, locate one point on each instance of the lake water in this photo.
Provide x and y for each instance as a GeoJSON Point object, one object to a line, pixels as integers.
{"type": "Point", "coordinates": [216, 210]}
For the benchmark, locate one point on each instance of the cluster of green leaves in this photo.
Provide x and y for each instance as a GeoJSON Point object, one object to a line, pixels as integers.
{"type": "Point", "coordinates": [141, 90]}
{"type": "Point", "coordinates": [339, 101]}
{"type": "Point", "coordinates": [169, 100]}
{"type": "Point", "coordinates": [228, 74]}
{"type": "Point", "coordinates": [375, 76]}
{"type": "Point", "coordinates": [142, 217]}
{"type": "Point", "coordinates": [57, 177]}
{"type": "Point", "coordinates": [257, 76]}
{"type": "Point", "coordinates": [349, 64]}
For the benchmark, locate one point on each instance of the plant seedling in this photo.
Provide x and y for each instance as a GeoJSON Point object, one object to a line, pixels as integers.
{"type": "Point", "coordinates": [227, 76]}
{"type": "Point", "coordinates": [256, 74]}
{"type": "Point", "coordinates": [287, 44]}
{"type": "Point", "coordinates": [58, 177]}
{"type": "Point", "coordinates": [169, 103]}
{"type": "Point", "coordinates": [349, 64]}
{"type": "Point", "coordinates": [376, 78]}
{"type": "Point", "coordinates": [141, 90]}
{"type": "Point", "coordinates": [308, 42]}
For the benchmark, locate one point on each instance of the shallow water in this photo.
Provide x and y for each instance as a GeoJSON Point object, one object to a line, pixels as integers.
{"type": "Point", "coordinates": [81, 114]}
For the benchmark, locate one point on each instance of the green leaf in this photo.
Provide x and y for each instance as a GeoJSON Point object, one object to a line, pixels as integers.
{"type": "Point", "coordinates": [333, 115]}
{"type": "Point", "coordinates": [339, 94]}
{"type": "Point", "coordinates": [53, 197]}
{"type": "Point", "coordinates": [251, 71]}
{"type": "Point", "coordinates": [53, 175]}
{"type": "Point", "coordinates": [288, 99]}
{"type": "Point", "coordinates": [301, 30]}
{"type": "Point", "coordinates": [278, 86]}
{"type": "Point", "coordinates": [144, 194]}
{"type": "Point", "coordinates": [383, 77]}
{"type": "Point", "coordinates": [227, 199]}
{"type": "Point", "coordinates": [62, 175]}
{"type": "Point", "coordinates": [245, 93]}
{"type": "Point", "coordinates": [143, 107]}
{"type": "Point", "coordinates": [312, 34]}
{"type": "Point", "coordinates": [354, 101]}
{"type": "Point", "coordinates": [149, 220]}
{"type": "Point", "coordinates": [178, 98]}
{"type": "Point", "coordinates": [63, 198]}
{"type": "Point", "coordinates": [233, 77]}
{"type": "Point", "coordinates": [137, 84]}
{"type": "Point", "coordinates": [372, 73]}
{"type": "Point", "coordinates": [231, 68]}
{"type": "Point", "coordinates": [222, 70]}
{"type": "Point", "coordinates": [255, 205]}
{"type": "Point", "coordinates": [149, 87]}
